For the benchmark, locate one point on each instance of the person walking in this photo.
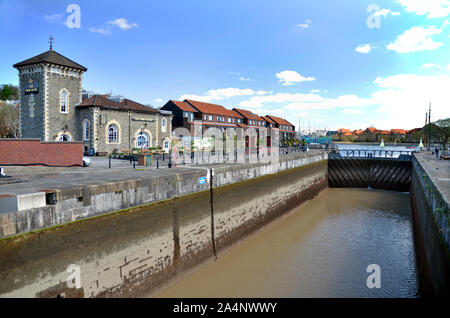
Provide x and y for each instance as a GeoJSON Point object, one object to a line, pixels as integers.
{"type": "Point", "coordinates": [436, 151]}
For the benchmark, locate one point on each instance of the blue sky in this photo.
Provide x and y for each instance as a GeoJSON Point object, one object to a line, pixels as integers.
{"type": "Point", "coordinates": [317, 61]}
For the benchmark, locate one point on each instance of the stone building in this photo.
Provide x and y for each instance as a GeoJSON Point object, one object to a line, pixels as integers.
{"type": "Point", "coordinates": [51, 109]}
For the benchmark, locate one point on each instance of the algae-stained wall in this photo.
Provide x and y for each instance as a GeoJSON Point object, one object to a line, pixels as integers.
{"type": "Point", "coordinates": [129, 252]}
{"type": "Point", "coordinates": [432, 254]}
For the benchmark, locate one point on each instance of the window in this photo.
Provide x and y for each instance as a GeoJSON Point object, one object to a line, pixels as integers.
{"type": "Point", "coordinates": [64, 137]}
{"type": "Point", "coordinates": [204, 117]}
{"type": "Point", "coordinates": [166, 144]}
{"type": "Point", "coordinates": [64, 101]}
{"type": "Point", "coordinates": [210, 117]}
{"type": "Point", "coordinates": [229, 119]}
{"type": "Point", "coordinates": [86, 130]}
{"type": "Point", "coordinates": [164, 125]}
{"type": "Point", "coordinates": [113, 133]}
{"type": "Point", "coordinates": [142, 140]}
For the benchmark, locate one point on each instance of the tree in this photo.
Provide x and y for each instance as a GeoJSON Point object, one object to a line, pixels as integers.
{"type": "Point", "coordinates": [9, 121]}
{"type": "Point", "coordinates": [442, 127]}
{"type": "Point", "coordinates": [9, 92]}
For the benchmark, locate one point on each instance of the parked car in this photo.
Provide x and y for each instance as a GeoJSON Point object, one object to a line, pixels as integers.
{"type": "Point", "coordinates": [86, 161]}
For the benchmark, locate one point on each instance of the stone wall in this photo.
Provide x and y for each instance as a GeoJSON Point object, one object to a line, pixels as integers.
{"type": "Point", "coordinates": [32, 126]}
{"type": "Point", "coordinates": [430, 221]}
{"type": "Point", "coordinates": [135, 250]}
{"type": "Point", "coordinates": [130, 124]}
{"type": "Point", "coordinates": [57, 121]}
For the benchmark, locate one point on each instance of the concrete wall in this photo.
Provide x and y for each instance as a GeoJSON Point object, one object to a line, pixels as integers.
{"type": "Point", "coordinates": [432, 252]}
{"type": "Point", "coordinates": [32, 151]}
{"type": "Point", "coordinates": [136, 250]}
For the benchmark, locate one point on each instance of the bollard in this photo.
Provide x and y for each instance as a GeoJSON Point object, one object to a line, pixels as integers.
{"type": "Point", "coordinates": [170, 163]}
{"type": "Point", "coordinates": [157, 162]}
{"type": "Point", "coordinates": [109, 161]}
{"type": "Point", "coordinates": [134, 163]}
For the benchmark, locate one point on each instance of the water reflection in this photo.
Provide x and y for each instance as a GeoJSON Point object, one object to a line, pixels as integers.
{"type": "Point", "coordinates": [321, 249]}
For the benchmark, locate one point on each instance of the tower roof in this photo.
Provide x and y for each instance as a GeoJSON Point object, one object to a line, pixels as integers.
{"type": "Point", "coordinates": [51, 57]}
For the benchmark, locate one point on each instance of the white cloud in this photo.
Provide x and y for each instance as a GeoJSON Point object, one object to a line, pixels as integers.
{"type": "Point", "coordinates": [434, 8]}
{"type": "Point", "coordinates": [305, 25]}
{"type": "Point", "coordinates": [245, 79]}
{"type": "Point", "coordinates": [363, 48]}
{"type": "Point", "coordinates": [261, 92]}
{"type": "Point", "coordinates": [315, 91]}
{"type": "Point", "coordinates": [259, 101]}
{"type": "Point", "coordinates": [447, 68]}
{"type": "Point", "coordinates": [104, 31]}
{"type": "Point", "coordinates": [416, 39]}
{"type": "Point", "coordinates": [289, 77]}
{"type": "Point", "coordinates": [385, 12]}
{"type": "Point", "coordinates": [430, 65]}
{"type": "Point", "coordinates": [401, 99]}
{"type": "Point", "coordinates": [404, 98]}
{"type": "Point", "coordinates": [159, 100]}
{"type": "Point", "coordinates": [53, 17]}
{"type": "Point", "coordinates": [352, 111]}
{"type": "Point", "coordinates": [123, 24]}
{"type": "Point", "coordinates": [219, 94]}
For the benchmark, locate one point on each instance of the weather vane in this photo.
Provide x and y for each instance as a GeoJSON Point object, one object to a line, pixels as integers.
{"type": "Point", "coordinates": [50, 40]}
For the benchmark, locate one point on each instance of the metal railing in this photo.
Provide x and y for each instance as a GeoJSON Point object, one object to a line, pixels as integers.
{"type": "Point", "coordinates": [365, 153]}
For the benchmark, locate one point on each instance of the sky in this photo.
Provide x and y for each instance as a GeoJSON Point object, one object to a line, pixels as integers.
{"type": "Point", "coordinates": [326, 64]}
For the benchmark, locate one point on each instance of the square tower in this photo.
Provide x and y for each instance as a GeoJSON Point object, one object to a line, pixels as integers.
{"type": "Point", "coordinates": [50, 86]}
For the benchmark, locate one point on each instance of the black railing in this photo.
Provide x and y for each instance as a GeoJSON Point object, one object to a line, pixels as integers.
{"type": "Point", "coordinates": [366, 153]}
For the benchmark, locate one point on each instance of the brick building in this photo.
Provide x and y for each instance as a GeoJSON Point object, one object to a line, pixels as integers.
{"type": "Point", "coordinates": [189, 112]}
{"type": "Point", "coordinates": [51, 109]}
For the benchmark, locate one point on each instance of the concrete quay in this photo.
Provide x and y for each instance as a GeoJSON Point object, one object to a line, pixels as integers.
{"type": "Point", "coordinates": [44, 197]}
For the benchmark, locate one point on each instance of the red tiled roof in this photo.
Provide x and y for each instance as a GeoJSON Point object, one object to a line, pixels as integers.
{"type": "Point", "coordinates": [398, 131]}
{"type": "Point", "coordinates": [279, 120]}
{"type": "Point", "coordinates": [248, 114]}
{"type": "Point", "coordinates": [184, 106]}
{"type": "Point", "coordinates": [371, 129]}
{"type": "Point", "coordinates": [270, 121]}
{"type": "Point", "coordinates": [343, 130]}
{"type": "Point", "coordinates": [242, 125]}
{"type": "Point", "coordinates": [384, 132]}
{"type": "Point", "coordinates": [414, 130]}
{"type": "Point", "coordinates": [213, 109]}
{"type": "Point", "coordinates": [358, 131]}
{"type": "Point", "coordinates": [130, 104]}
{"type": "Point", "coordinates": [103, 102]}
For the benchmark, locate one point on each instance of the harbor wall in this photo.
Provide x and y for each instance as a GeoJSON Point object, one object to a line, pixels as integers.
{"type": "Point", "coordinates": [167, 231]}
{"type": "Point", "coordinates": [430, 214]}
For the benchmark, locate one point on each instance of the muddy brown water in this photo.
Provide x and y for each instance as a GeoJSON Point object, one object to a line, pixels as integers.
{"type": "Point", "coordinates": [320, 249]}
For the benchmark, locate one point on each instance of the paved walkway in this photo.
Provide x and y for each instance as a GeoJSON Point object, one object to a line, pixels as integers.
{"type": "Point", "coordinates": [438, 171]}
{"type": "Point", "coordinates": [33, 178]}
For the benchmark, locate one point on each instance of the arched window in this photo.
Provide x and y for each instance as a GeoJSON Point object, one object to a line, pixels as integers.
{"type": "Point", "coordinates": [166, 144]}
{"type": "Point", "coordinates": [64, 102]}
{"type": "Point", "coordinates": [113, 133]}
{"type": "Point", "coordinates": [64, 137]}
{"type": "Point", "coordinates": [142, 140]}
{"type": "Point", "coordinates": [163, 125]}
{"type": "Point", "coordinates": [86, 130]}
